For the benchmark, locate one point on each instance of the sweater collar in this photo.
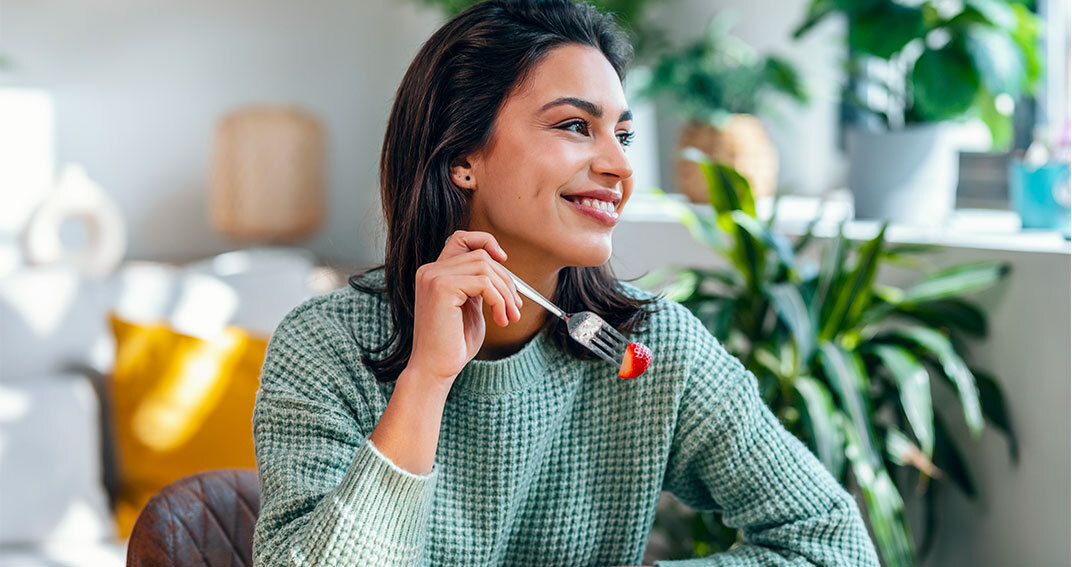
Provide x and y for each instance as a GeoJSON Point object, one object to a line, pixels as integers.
{"type": "Point", "coordinates": [530, 365]}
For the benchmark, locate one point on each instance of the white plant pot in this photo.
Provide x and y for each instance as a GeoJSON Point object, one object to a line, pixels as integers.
{"type": "Point", "coordinates": [907, 176]}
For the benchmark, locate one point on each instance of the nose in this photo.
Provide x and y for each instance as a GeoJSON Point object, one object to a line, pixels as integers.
{"type": "Point", "coordinates": [612, 159]}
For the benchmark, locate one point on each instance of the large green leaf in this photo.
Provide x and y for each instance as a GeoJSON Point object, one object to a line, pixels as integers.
{"type": "Point", "coordinates": [844, 372]}
{"type": "Point", "coordinates": [885, 509]}
{"type": "Point", "coordinates": [997, 59]}
{"type": "Point", "coordinates": [1026, 35]}
{"type": "Point", "coordinates": [855, 295]}
{"type": "Point", "coordinates": [914, 389]}
{"type": "Point", "coordinates": [701, 228]}
{"type": "Point", "coordinates": [956, 280]}
{"type": "Point", "coordinates": [774, 241]}
{"type": "Point", "coordinates": [790, 307]}
{"type": "Point", "coordinates": [818, 410]}
{"type": "Point", "coordinates": [684, 288]}
{"type": "Point", "coordinates": [953, 313]}
{"type": "Point", "coordinates": [949, 459]}
{"type": "Point", "coordinates": [817, 10]}
{"type": "Point", "coordinates": [830, 272]}
{"type": "Point", "coordinates": [996, 12]}
{"type": "Point", "coordinates": [728, 190]}
{"type": "Point", "coordinates": [995, 410]}
{"type": "Point", "coordinates": [944, 82]}
{"type": "Point", "coordinates": [886, 29]}
{"type": "Point", "coordinates": [954, 368]}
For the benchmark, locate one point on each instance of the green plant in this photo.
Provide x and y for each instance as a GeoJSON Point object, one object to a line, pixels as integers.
{"type": "Point", "coordinates": [940, 59]}
{"type": "Point", "coordinates": [645, 38]}
{"type": "Point", "coordinates": [847, 364]}
{"type": "Point", "coordinates": [718, 75]}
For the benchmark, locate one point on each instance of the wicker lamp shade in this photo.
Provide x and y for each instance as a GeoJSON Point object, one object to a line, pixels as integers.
{"type": "Point", "coordinates": [268, 174]}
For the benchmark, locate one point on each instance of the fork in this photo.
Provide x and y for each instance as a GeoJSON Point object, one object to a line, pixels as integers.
{"type": "Point", "coordinates": [584, 327]}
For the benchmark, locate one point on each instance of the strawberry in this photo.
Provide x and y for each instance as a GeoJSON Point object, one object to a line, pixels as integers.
{"type": "Point", "coordinates": [637, 359]}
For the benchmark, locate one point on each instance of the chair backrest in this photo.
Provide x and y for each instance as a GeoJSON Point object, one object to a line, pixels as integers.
{"type": "Point", "coordinates": [202, 519]}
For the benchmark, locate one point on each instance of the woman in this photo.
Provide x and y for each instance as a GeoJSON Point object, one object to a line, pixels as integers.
{"type": "Point", "coordinates": [396, 425]}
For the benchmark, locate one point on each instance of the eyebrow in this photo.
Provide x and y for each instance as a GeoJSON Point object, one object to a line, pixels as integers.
{"type": "Point", "coordinates": [587, 106]}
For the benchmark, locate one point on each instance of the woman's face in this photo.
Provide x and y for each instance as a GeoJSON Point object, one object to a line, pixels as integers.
{"type": "Point", "coordinates": [562, 134]}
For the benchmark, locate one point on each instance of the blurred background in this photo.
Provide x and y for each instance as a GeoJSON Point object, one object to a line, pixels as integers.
{"type": "Point", "coordinates": [175, 177]}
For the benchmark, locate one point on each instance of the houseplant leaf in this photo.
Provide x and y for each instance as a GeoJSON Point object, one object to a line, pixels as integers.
{"type": "Point", "coordinates": [954, 368]}
{"type": "Point", "coordinates": [997, 59]}
{"type": "Point", "coordinates": [914, 387]}
{"type": "Point", "coordinates": [855, 295]}
{"type": "Point", "coordinates": [790, 307]}
{"type": "Point", "coordinates": [995, 410]}
{"type": "Point", "coordinates": [818, 410]}
{"type": "Point", "coordinates": [956, 280]}
{"type": "Point", "coordinates": [844, 373]}
{"type": "Point", "coordinates": [885, 509]}
{"type": "Point", "coordinates": [944, 82]}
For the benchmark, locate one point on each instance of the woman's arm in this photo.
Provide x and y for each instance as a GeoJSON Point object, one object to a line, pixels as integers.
{"type": "Point", "coordinates": [730, 453]}
{"type": "Point", "coordinates": [329, 496]}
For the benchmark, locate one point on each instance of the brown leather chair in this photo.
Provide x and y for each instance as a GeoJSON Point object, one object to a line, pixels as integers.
{"type": "Point", "coordinates": [205, 519]}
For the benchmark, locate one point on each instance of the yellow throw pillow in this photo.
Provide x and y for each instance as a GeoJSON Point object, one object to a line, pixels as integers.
{"type": "Point", "coordinates": [181, 405]}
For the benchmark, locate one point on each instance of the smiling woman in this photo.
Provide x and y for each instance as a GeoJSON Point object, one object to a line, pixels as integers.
{"type": "Point", "coordinates": [395, 425]}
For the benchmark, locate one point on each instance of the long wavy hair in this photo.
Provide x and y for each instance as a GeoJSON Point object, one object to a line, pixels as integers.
{"type": "Point", "coordinates": [445, 108]}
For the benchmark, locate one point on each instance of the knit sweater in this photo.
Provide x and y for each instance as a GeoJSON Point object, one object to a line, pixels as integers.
{"type": "Point", "coordinates": [542, 459]}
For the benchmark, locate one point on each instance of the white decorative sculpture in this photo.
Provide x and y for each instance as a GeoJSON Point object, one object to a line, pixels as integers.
{"type": "Point", "coordinates": [76, 196]}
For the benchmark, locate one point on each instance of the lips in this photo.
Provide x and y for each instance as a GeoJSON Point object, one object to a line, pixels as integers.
{"type": "Point", "coordinates": [601, 194]}
{"type": "Point", "coordinates": [607, 218]}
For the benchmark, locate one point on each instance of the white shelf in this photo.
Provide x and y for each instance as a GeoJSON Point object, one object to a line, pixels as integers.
{"type": "Point", "coordinates": [967, 228]}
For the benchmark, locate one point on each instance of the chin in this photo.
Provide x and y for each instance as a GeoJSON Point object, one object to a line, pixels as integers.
{"type": "Point", "coordinates": [588, 255]}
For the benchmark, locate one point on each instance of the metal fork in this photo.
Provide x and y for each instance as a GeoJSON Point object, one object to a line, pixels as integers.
{"type": "Point", "coordinates": [585, 327]}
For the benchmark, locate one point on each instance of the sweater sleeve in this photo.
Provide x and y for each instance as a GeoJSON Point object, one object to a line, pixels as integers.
{"type": "Point", "coordinates": [328, 496]}
{"type": "Point", "coordinates": [730, 453]}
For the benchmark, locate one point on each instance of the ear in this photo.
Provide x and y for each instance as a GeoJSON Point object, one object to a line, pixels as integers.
{"type": "Point", "coordinates": [461, 173]}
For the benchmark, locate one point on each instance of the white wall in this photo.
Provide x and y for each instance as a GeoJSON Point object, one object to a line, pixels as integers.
{"type": "Point", "coordinates": [139, 85]}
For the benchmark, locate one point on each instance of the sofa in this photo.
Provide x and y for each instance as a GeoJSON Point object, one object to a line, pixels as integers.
{"type": "Point", "coordinates": [59, 468]}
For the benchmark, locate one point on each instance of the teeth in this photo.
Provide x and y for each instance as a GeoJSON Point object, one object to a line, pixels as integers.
{"type": "Point", "coordinates": [596, 203]}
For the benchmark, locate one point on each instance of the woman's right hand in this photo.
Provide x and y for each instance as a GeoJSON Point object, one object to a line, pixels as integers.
{"type": "Point", "coordinates": [448, 321]}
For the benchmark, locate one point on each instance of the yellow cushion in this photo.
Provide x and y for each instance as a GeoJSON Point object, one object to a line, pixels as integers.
{"type": "Point", "coordinates": [181, 404]}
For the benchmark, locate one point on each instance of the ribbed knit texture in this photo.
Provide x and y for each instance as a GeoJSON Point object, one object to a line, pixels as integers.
{"type": "Point", "coordinates": [542, 459]}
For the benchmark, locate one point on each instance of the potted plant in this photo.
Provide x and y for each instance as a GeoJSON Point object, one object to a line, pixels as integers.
{"type": "Point", "coordinates": [847, 364]}
{"type": "Point", "coordinates": [718, 84]}
{"type": "Point", "coordinates": [912, 69]}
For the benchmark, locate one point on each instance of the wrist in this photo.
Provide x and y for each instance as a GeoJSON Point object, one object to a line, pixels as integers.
{"type": "Point", "coordinates": [426, 381]}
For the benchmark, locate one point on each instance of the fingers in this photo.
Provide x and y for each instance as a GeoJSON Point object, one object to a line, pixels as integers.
{"type": "Point", "coordinates": [479, 262]}
{"type": "Point", "coordinates": [480, 286]}
{"type": "Point", "coordinates": [506, 304]}
{"type": "Point", "coordinates": [463, 241]}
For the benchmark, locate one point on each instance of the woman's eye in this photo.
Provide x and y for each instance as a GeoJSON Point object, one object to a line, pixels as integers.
{"type": "Point", "coordinates": [582, 123]}
{"type": "Point", "coordinates": [625, 138]}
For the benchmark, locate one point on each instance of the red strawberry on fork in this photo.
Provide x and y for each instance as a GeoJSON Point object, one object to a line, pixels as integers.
{"type": "Point", "coordinates": [636, 361]}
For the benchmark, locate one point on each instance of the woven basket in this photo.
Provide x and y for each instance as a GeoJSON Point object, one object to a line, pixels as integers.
{"type": "Point", "coordinates": [268, 175]}
{"type": "Point", "coordinates": [741, 143]}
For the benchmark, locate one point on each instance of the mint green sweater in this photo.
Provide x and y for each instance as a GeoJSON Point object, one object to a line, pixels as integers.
{"type": "Point", "coordinates": [542, 459]}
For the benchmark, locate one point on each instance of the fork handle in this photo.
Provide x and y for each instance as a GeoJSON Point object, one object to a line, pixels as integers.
{"type": "Point", "coordinates": [534, 295]}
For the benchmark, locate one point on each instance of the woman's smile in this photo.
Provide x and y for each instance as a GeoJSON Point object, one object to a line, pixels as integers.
{"type": "Point", "coordinates": [600, 211]}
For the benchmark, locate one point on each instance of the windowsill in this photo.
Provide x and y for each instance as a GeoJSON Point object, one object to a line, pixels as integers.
{"type": "Point", "coordinates": [967, 228]}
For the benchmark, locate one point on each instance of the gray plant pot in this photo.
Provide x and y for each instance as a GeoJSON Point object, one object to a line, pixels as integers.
{"type": "Point", "coordinates": [906, 176]}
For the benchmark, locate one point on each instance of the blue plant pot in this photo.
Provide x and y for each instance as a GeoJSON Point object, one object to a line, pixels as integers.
{"type": "Point", "coordinates": [1041, 195]}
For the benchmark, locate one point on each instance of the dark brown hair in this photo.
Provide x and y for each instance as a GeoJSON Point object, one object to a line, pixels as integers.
{"type": "Point", "coordinates": [446, 107]}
